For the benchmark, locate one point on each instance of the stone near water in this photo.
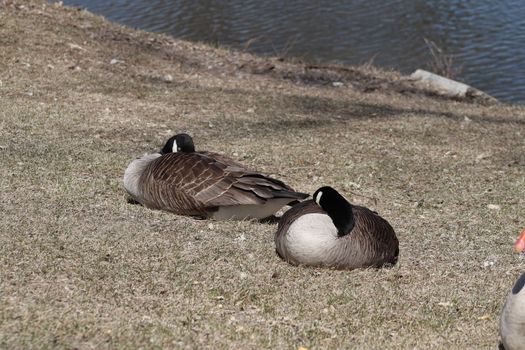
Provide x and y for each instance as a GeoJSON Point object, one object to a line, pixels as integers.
{"type": "Point", "coordinates": [449, 87]}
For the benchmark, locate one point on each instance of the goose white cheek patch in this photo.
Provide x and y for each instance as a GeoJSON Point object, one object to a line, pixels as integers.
{"type": "Point", "coordinates": [174, 148]}
{"type": "Point", "coordinates": [318, 198]}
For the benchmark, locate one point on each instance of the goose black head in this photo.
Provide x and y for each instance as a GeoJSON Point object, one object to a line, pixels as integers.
{"type": "Point", "coordinates": [337, 207]}
{"type": "Point", "coordinates": [179, 143]}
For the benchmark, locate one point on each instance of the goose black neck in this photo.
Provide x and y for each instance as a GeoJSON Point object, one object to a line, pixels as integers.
{"type": "Point", "coordinates": [342, 217]}
{"type": "Point", "coordinates": [337, 207]}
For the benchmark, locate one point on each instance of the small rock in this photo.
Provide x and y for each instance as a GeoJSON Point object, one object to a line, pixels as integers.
{"type": "Point", "coordinates": [115, 61]}
{"type": "Point", "coordinates": [488, 264]}
{"type": "Point", "coordinates": [419, 203]}
{"type": "Point", "coordinates": [353, 184]}
{"type": "Point", "coordinates": [210, 226]}
{"type": "Point", "coordinates": [337, 84]}
{"type": "Point", "coordinates": [243, 275]}
{"type": "Point", "coordinates": [494, 206]}
{"type": "Point", "coordinates": [75, 46]}
{"type": "Point", "coordinates": [445, 303]}
{"type": "Point", "coordinates": [482, 156]}
{"type": "Point", "coordinates": [168, 78]}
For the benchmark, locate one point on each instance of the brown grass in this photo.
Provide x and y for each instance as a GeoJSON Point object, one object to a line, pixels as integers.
{"type": "Point", "coordinates": [82, 268]}
{"type": "Point", "coordinates": [440, 62]}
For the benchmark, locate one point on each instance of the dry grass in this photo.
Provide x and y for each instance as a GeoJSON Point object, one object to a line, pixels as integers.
{"type": "Point", "coordinates": [82, 268]}
{"type": "Point", "coordinates": [440, 62]}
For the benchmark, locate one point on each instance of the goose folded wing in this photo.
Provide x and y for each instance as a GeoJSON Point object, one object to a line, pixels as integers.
{"type": "Point", "coordinates": [198, 180]}
{"type": "Point", "coordinates": [220, 158]}
{"type": "Point", "coordinates": [201, 180]}
{"type": "Point", "coordinates": [373, 231]}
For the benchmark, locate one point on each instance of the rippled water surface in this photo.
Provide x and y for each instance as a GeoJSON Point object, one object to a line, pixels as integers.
{"type": "Point", "coordinates": [485, 37]}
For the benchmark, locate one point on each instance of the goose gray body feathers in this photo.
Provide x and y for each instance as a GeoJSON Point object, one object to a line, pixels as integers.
{"type": "Point", "coordinates": [512, 321]}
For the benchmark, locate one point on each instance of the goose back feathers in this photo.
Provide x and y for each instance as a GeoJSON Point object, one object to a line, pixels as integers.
{"type": "Point", "coordinates": [204, 184]}
{"type": "Point", "coordinates": [314, 234]}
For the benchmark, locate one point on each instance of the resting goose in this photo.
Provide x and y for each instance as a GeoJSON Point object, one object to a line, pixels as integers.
{"type": "Point", "coordinates": [329, 231]}
{"type": "Point", "coordinates": [512, 322]}
{"type": "Point", "coordinates": [205, 184]}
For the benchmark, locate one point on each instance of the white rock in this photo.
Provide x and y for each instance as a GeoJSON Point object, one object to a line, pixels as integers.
{"type": "Point", "coordinates": [448, 86]}
{"type": "Point", "coordinates": [494, 206]}
{"type": "Point", "coordinates": [488, 263]}
{"type": "Point", "coordinates": [445, 303]}
{"type": "Point", "coordinates": [76, 47]}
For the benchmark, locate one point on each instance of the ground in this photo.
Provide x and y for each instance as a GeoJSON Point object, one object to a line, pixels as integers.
{"type": "Point", "coordinates": [80, 267]}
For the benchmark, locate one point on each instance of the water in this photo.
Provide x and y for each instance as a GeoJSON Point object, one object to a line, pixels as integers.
{"type": "Point", "coordinates": [485, 37]}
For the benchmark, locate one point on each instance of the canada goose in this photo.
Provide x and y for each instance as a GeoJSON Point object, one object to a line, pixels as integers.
{"type": "Point", "coordinates": [329, 231]}
{"type": "Point", "coordinates": [512, 322]}
{"type": "Point", "coordinates": [204, 184]}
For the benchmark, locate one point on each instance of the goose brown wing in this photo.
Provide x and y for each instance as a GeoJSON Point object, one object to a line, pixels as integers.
{"type": "Point", "coordinates": [198, 180]}
{"type": "Point", "coordinates": [163, 184]}
{"type": "Point", "coordinates": [237, 185]}
{"type": "Point", "coordinates": [232, 164]}
{"type": "Point", "coordinates": [374, 233]}
{"type": "Point", "coordinates": [222, 159]}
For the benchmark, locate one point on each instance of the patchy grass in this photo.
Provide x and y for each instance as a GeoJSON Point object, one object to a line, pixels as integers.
{"type": "Point", "coordinates": [82, 268]}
